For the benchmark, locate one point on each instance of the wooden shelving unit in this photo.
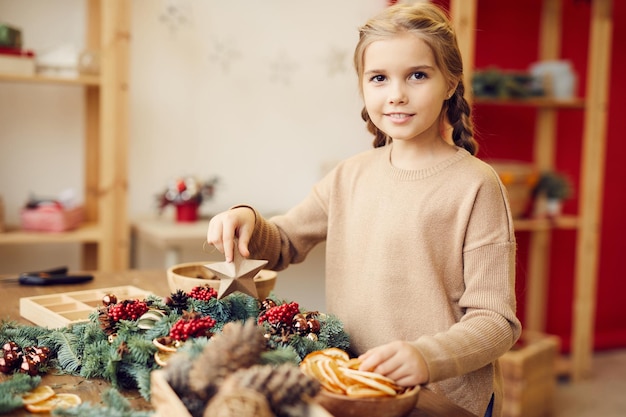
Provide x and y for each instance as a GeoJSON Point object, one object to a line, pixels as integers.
{"type": "Point", "coordinates": [105, 234]}
{"type": "Point", "coordinates": [587, 223]}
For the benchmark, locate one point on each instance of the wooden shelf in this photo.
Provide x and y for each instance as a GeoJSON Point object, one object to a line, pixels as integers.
{"type": "Point", "coordinates": [561, 222]}
{"type": "Point", "coordinates": [106, 233]}
{"type": "Point", "coordinates": [89, 232]}
{"type": "Point", "coordinates": [85, 80]}
{"type": "Point", "coordinates": [576, 103]}
{"type": "Point", "coordinates": [587, 224]}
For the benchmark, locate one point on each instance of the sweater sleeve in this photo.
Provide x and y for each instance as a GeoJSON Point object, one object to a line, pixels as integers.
{"type": "Point", "coordinates": [489, 326]}
{"type": "Point", "coordinates": [307, 224]}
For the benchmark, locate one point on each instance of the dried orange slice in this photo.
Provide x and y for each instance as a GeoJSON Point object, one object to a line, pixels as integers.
{"type": "Point", "coordinates": [353, 363]}
{"type": "Point", "coordinates": [165, 344]}
{"type": "Point", "coordinates": [42, 392]}
{"type": "Point", "coordinates": [61, 400]}
{"type": "Point", "coordinates": [161, 358]}
{"type": "Point", "coordinates": [339, 374]}
{"type": "Point", "coordinates": [360, 391]}
{"type": "Point", "coordinates": [336, 353]}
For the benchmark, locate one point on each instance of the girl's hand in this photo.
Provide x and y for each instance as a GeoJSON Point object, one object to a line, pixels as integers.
{"type": "Point", "coordinates": [230, 226]}
{"type": "Point", "coordinates": [397, 360]}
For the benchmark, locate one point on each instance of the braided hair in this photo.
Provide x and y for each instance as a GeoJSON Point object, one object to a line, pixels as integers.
{"type": "Point", "coordinates": [431, 24]}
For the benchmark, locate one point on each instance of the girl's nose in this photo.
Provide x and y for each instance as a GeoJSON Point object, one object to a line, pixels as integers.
{"type": "Point", "coordinates": [397, 94]}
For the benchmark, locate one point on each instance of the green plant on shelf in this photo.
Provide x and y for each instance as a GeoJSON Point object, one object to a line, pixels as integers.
{"type": "Point", "coordinates": [554, 186]}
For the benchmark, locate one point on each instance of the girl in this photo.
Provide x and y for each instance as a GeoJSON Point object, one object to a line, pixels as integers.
{"type": "Point", "coordinates": [420, 249]}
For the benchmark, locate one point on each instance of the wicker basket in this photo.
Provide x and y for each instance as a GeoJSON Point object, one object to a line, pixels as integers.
{"type": "Point", "coordinates": [529, 376]}
{"type": "Point", "coordinates": [519, 178]}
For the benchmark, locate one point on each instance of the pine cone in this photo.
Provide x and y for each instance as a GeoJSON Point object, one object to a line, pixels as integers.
{"type": "Point", "coordinates": [237, 346]}
{"type": "Point", "coordinates": [240, 403]}
{"type": "Point", "coordinates": [177, 301]}
{"type": "Point", "coordinates": [285, 387]}
{"type": "Point", "coordinates": [106, 323]}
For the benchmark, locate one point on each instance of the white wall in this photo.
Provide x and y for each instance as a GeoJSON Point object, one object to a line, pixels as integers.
{"type": "Point", "coordinates": [260, 93]}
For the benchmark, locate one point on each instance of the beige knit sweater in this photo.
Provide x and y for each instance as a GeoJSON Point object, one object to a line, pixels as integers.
{"type": "Point", "coordinates": [425, 256]}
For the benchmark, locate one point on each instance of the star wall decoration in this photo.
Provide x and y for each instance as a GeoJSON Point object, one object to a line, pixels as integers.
{"type": "Point", "coordinates": [224, 53]}
{"type": "Point", "coordinates": [176, 14]}
{"type": "Point", "coordinates": [282, 69]}
{"type": "Point", "coordinates": [335, 61]}
{"type": "Point", "coordinates": [237, 275]}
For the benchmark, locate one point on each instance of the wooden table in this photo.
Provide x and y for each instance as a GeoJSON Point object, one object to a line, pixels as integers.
{"type": "Point", "coordinates": [429, 403]}
{"type": "Point", "coordinates": [88, 389]}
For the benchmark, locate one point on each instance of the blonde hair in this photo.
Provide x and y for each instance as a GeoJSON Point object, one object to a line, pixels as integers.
{"type": "Point", "coordinates": [432, 25]}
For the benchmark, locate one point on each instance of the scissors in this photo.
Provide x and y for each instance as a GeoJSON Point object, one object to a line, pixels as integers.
{"type": "Point", "coordinates": [48, 277]}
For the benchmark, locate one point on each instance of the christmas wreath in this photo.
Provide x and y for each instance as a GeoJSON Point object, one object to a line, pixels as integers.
{"type": "Point", "coordinates": [121, 342]}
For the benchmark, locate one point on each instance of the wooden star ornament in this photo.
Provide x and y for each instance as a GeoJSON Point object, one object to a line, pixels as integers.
{"type": "Point", "coordinates": [237, 275]}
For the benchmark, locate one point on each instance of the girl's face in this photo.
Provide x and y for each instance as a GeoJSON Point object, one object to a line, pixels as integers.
{"type": "Point", "coordinates": [403, 89]}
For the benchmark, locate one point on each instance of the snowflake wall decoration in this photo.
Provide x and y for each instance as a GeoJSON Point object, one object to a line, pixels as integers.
{"type": "Point", "coordinates": [223, 54]}
{"type": "Point", "coordinates": [176, 13]}
{"type": "Point", "coordinates": [282, 69]}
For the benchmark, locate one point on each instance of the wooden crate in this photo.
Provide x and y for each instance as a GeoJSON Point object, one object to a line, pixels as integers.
{"type": "Point", "coordinates": [166, 403]}
{"type": "Point", "coordinates": [60, 310]}
{"type": "Point", "coordinates": [529, 376]}
{"type": "Point", "coordinates": [2, 226]}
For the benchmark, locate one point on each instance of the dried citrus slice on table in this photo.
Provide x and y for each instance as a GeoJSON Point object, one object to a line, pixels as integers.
{"type": "Point", "coordinates": [60, 400]}
{"type": "Point", "coordinates": [42, 392]}
{"type": "Point", "coordinates": [161, 358]}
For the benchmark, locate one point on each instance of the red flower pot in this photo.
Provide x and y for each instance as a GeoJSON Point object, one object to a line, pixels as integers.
{"type": "Point", "coordinates": [187, 212]}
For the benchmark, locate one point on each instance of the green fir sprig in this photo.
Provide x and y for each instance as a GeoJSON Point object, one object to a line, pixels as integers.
{"type": "Point", "coordinates": [114, 405]}
{"type": "Point", "coordinates": [11, 391]}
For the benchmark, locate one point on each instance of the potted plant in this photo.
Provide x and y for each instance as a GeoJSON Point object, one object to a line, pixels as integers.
{"type": "Point", "coordinates": [550, 192]}
{"type": "Point", "coordinates": [186, 194]}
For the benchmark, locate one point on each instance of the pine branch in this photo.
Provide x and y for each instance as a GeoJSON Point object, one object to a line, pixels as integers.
{"type": "Point", "coordinates": [11, 391]}
{"type": "Point", "coordinates": [141, 351]}
{"type": "Point", "coordinates": [115, 405]}
{"type": "Point", "coordinates": [279, 356]}
{"type": "Point", "coordinates": [332, 332]}
{"type": "Point", "coordinates": [95, 358]}
{"type": "Point", "coordinates": [68, 347]}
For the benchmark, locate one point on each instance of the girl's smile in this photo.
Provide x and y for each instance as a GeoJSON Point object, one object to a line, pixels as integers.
{"type": "Point", "coordinates": [399, 118]}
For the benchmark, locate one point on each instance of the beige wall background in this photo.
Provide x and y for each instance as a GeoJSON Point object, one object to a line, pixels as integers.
{"type": "Point", "coordinates": [260, 93]}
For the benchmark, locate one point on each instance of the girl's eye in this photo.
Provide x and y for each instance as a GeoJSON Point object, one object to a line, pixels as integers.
{"type": "Point", "coordinates": [419, 75]}
{"type": "Point", "coordinates": [378, 78]}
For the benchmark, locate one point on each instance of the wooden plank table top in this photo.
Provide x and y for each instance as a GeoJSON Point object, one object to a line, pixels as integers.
{"type": "Point", "coordinates": [90, 390]}
{"type": "Point", "coordinates": [429, 404]}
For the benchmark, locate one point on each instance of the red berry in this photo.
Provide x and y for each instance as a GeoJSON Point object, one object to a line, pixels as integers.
{"type": "Point", "coordinates": [204, 293]}
{"type": "Point", "coordinates": [280, 315]}
{"type": "Point", "coordinates": [127, 310]}
{"type": "Point", "coordinates": [184, 328]}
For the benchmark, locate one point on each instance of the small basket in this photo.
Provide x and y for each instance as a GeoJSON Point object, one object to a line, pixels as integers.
{"type": "Point", "coordinates": [520, 179]}
{"type": "Point", "coordinates": [188, 275]}
{"type": "Point", "coordinates": [48, 219]}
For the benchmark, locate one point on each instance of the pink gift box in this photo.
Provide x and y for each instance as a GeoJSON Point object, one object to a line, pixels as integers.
{"type": "Point", "coordinates": [51, 219]}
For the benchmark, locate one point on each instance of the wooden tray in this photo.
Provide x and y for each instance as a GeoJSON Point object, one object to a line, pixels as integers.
{"type": "Point", "coordinates": [166, 403]}
{"type": "Point", "coordinates": [61, 309]}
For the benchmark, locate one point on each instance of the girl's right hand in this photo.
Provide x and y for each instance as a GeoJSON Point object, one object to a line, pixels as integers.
{"type": "Point", "coordinates": [228, 227]}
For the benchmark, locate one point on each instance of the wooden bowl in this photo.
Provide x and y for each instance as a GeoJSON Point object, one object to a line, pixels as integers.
{"type": "Point", "coordinates": [344, 406]}
{"type": "Point", "coordinates": [192, 274]}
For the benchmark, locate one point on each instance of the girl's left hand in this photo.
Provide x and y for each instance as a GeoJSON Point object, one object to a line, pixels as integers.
{"type": "Point", "coordinates": [397, 360]}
